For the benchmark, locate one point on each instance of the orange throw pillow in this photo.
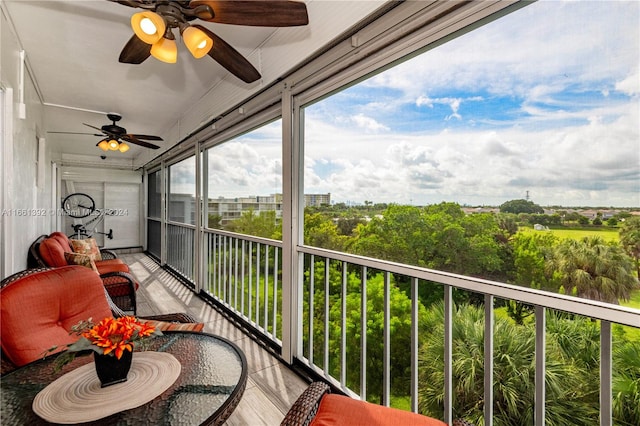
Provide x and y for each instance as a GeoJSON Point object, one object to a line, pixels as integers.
{"type": "Point", "coordinates": [82, 260]}
{"type": "Point", "coordinates": [87, 246]}
{"type": "Point", "coordinates": [174, 326]}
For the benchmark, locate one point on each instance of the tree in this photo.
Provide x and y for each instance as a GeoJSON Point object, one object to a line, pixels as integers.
{"type": "Point", "coordinates": [520, 206]}
{"type": "Point", "coordinates": [215, 221]}
{"type": "Point", "coordinates": [531, 251]}
{"type": "Point", "coordinates": [630, 240]}
{"type": "Point", "coordinates": [320, 231]}
{"type": "Point", "coordinates": [594, 269]}
{"type": "Point", "coordinates": [439, 236]}
{"type": "Point", "coordinates": [583, 220]}
{"type": "Point", "coordinates": [508, 223]}
{"type": "Point", "coordinates": [263, 224]}
{"type": "Point", "coordinates": [570, 380]}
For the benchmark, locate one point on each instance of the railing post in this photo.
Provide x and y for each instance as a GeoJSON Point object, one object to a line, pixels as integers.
{"type": "Point", "coordinates": [488, 359]}
{"type": "Point", "coordinates": [605, 374]}
{"type": "Point", "coordinates": [540, 392]}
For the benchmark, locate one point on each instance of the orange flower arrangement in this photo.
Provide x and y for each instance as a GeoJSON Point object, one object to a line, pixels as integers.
{"type": "Point", "coordinates": [116, 335]}
{"type": "Point", "coordinates": [111, 336]}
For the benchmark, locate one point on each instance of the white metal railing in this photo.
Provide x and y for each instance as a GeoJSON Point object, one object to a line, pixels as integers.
{"type": "Point", "coordinates": [180, 249]}
{"type": "Point", "coordinates": [540, 300]}
{"type": "Point", "coordinates": [244, 274]}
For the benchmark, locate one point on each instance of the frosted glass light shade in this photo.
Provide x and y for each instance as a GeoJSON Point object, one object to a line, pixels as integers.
{"type": "Point", "coordinates": [165, 50]}
{"type": "Point", "coordinates": [148, 26]}
{"type": "Point", "coordinates": [103, 145]}
{"type": "Point", "coordinates": [198, 43]}
{"type": "Point", "coordinates": [113, 145]}
{"type": "Point", "coordinates": [123, 147]}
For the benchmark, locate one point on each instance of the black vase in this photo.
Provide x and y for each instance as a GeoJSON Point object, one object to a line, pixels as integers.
{"type": "Point", "coordinates": [112, 370]}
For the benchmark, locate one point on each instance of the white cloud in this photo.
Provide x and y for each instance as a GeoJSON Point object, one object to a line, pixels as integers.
{"type": "Point", "coordinates": [368, 123]}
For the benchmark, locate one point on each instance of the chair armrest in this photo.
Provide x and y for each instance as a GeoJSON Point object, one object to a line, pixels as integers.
{"type": "Point", "coordinates": [179, 317]}
{"type": "Point", "coordinates": [306, 406]}
{"type": "Point", "coordinates": [121, 287]}
{"type": "Point", "coordinates": [108, 254]}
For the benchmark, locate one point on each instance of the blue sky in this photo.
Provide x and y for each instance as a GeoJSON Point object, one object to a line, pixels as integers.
{"type": "Point", "coordinates": [544, 100]}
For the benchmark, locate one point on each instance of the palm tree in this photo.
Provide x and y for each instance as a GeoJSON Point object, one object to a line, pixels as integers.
{"type": "Point", "coordinates": [594, 269]}
{"type": "Point", "coordinates": [571, 399]}
{"type": "Point", "coordinates": [630, 239]}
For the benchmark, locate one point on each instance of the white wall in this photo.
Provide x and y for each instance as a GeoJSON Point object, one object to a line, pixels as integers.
{"type": "Point", "coordinates": [26, 206]}
{"type": "Point", "coordinates": [119, 191]}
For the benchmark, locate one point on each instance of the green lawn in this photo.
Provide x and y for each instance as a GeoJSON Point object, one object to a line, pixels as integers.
{"type": "Point", "coordinates": [608, 234]}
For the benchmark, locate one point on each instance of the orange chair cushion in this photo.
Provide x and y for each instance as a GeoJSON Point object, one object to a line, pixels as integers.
{"type": "Point", "coordinates": [111, 265]}
{"type": "Point", "coordinates": [342, 410]}
{"type": "Point", "coordinates": [52, 252]}
{"type": "Point", "coordinates": [38, 311]}
{"type": "Point", "coordinates": [62, 239]}
{"type": "Point", "coordinates": [175, 326]}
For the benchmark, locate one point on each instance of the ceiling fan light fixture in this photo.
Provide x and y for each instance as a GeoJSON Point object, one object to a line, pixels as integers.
{"type": "Point", "coordinates": [104, 145]}
{"type": "Point", "coordinates": [113, 145]}
{"type": "Point", "coordinates": [148, 26]}
{"type": "Point", "coordinates": [165, 50]}
{"type": "Point", "coordinates": [198, 43]}
{"type": "Point", "coordinates": [123, 147]}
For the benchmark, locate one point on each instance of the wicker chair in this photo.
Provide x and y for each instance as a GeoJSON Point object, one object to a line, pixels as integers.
{"type": "Point", "coordinates": [23, 277]}
{"type": "Point", "coordinates": [308, 406]}
{"type": "Point", "coordinates": [115, 275]}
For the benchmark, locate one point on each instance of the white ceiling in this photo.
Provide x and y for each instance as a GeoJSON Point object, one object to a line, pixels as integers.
{"type": "Point", "coordinates": [72, 50]}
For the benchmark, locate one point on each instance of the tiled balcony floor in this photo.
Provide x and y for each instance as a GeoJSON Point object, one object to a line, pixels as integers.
{"type": "Point", "coordinates": [271, 386]}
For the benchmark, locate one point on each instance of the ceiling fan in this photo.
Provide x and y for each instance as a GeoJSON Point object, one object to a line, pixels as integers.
{"type": "Point", "coordinates": [154, 36]}
{"type": "Point", "coordinates": [117, 137]}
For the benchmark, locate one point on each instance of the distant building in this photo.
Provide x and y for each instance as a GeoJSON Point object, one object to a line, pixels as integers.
{"type": "Point", "coordinates": [232, 208]}
{"type": "Point", "coordinates": [317, 200]}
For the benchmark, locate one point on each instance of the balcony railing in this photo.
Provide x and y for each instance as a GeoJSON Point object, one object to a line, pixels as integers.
{"type": "Point", "coordinates": [243, 273]}
{"type": "Point", "coordinates": [180, 249]}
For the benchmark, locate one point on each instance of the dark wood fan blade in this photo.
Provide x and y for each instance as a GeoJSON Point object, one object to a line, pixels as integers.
{"type": "Point", "coordinates": [132, 139]}
{"type": "Point", "coordinates": [94, 127]}
{"type": "Point", "coordinates": [130, 3]}
{"type": "Point", "coordinates": [228, 57]}
{"type": "Point", "coordinates": [135, 51]}
{"type": "Point", "coordinates": [147, 137]}
{"type": "Point", "coordinates": [76, 133]}
{"type": "Point", "coordinates": [259, 13]}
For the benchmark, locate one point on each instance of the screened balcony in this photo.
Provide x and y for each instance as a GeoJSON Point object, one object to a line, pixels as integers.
{"type": "Point", "coordinates": [435, 114]}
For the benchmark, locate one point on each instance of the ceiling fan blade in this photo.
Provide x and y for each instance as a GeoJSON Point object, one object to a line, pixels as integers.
{"type": "Point", "coordinates": [135, 51]}
{"type": "Point", "coordinates": [228, 57]}
{"type": "Point", "coordinates": [132, 139]}
{"type": "Point", "coordinates": [259, 13]}
{"type": "Point", "coordinates": [146, 137]}
{"type": "Point", "coordinates": [94, 127]}
{"type": "Point", "coordinates": [130, 3]}
{"type": "Point", "coordinates": [75, 133]}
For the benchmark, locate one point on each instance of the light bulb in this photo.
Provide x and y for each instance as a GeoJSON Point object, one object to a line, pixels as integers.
{"type": "Point", "coordinates": [123, 147]}
{"type": "Point", "coordinates": [148, 26]}
{"type": "Point", "coordinates": [104, 145]}
{"type": "Point", "coordinates": [197, 41]}
{"type": "Point", "coordinates": [113, 145]}
{"type": "Point", "coordinates": [165, 50]}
